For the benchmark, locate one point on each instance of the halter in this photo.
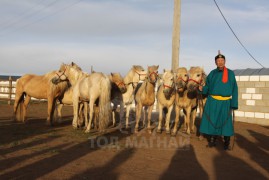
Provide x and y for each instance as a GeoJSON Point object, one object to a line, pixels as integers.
{"type": "Point", "coordinates": [198, 82]}
{"type": "Point", "coordinates": [140, 74]}
{"type": "Point", "coordinates": [59, 76]}
{"type": "Point", "coordinates": [120, 83]}
{"type": "Point", "coordinates": [155, 74]}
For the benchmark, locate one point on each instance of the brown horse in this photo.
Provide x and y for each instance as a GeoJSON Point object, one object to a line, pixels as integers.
{"type": "Point", "coordinates": [186, 96]}
{"type": "Point", "coordinates": [145, 96]}
{"type": "Point", "coordinates": [166, 97]}
{"type": "Point", "coordinates": [39, 87]}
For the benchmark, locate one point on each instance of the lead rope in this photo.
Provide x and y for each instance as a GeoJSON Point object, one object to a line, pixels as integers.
{"type": "Point", "coordinates": [208, 118]}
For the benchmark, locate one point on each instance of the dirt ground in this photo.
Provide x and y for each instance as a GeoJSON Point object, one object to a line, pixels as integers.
{"type": "Point", "coordinates": [36, 151]}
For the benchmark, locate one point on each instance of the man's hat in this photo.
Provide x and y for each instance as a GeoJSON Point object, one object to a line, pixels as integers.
{"type": "Point", "coordinates": [219, 56]}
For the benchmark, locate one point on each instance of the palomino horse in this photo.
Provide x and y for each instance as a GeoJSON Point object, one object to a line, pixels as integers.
{"type": "Point", "coordinates": [145, 96]}
{"type": "Point", "coordinates": [135, 74]}
{"type": "Point", "coordinates": [166, 97]}
{"type": "Point", "coordinates": [39, 87]}
{"type": "Point", "coordinates": [89, 87]}
{"type": "Point", "coordinates": [186, 97]}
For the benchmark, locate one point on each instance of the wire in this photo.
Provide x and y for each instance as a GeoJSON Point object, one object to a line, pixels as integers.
{"type": "Point", "coordinates": [44, 17]}
{"type": "Point", "coordinates": [27, 16]}
{"type": "Point", "coordinates": [237, 37]}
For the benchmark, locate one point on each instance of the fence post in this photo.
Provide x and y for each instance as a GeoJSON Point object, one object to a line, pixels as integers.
{"type": "Point", "coordinates": [10, 90]}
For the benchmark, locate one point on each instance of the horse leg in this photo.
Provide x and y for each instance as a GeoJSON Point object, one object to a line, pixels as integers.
{"type": "Point", "coordinates": [138, 116]}
{"type": "Point", "coordinates": [177, 109]}
{"type": "Point", "coordinates": [187, 119]}
{"type": "Point", "coordinates": [88, 129]}
{"type": "Point", "coordinates": [167, 119]}
{"type": "Point", "coordinates": [128, 107]}
{"type": "Point", "coordinates": [192, 118]}
{"type": "Point", "coordinates": [85, 106]}
{"type": "Point", "coordinates": [144, 110]}
{"type": "Point", "coordinates": [149, 118]}
{"type": "Point", "coordinates": [25, 105]}
{"type": "Point", "coordinates": [59, 108]}
{"type": "Point", "coordinates": [75, 113]}
{"type": "Point", "coordinates": [159, 129]}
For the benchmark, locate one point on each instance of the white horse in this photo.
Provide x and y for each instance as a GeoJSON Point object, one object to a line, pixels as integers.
{"type": "Point", "coordinates": [90, 87]}
{"type": "Point", "coordinates": [133, 77]}
{"type": "Point", "coordinates": [166, 97]}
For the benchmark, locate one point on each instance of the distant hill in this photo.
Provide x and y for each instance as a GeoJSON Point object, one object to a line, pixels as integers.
{"type": "Point", "coordinates": [6, 77]}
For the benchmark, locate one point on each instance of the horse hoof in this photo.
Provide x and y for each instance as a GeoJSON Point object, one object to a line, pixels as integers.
{"type": "Point", "coordinates": [173, 134]}
{"type": "Point", "coordinates": [168, 132]}
{"type": "Point", "coordinates": [136, 131]}
{"type": "Point", "coordinates": [87, 131]}
{"type": "Point", "coordinates": [159, 131]}
{"type": "Point", "coordinates": [149, 131]}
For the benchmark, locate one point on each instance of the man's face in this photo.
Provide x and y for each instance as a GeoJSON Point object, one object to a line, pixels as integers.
{"type": "Point", "coordinates": [220, 62]}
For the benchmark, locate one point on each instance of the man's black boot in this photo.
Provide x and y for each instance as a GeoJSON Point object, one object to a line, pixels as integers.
{"type": "Point", "coordinates": [227, 143]}
{"type": "Point", "coordinates": [212, 141]}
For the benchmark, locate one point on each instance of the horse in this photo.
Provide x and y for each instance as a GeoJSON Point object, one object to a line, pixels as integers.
{"type": "Point", "coordinates": [39, 87]}
{"type": "Point", "coordinates": [89, 87]}
{"type": "Point", "coordinates": [186, 96]}
{"type": "Point", "coordinates": [131, 80]}
{"type": "Point", "coordinates": [118, 87]}
{"type": "Point", "coordinates": [145, 96]}
{"type": "Point", "coordinates": [166, 97]}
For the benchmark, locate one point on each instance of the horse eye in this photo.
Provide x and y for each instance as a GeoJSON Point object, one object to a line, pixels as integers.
{"type": "Point", "coordinates": [198, 75]}
{"type": "Point", "coordinates": [157, 72]}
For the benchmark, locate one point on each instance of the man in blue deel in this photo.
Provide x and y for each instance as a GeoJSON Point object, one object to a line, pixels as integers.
{"type": "Point", "coordinates": [222, 91]}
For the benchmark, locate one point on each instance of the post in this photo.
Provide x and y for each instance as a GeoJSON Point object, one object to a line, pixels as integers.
{"type": "Point", "coordinates": [176, 35]}
{"type": "Point", "coordinates": [10, 90]}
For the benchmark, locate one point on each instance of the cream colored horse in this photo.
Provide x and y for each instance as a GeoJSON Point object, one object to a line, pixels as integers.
{"type": "Point", "coordinates": [117, 87]}
{"type": "Point", "coordinates": [186, 96]}
{"type": "Point", "coordinates": [145, 96]}
{"type": "Point", "coordinates": [92, 87]}
{"type": "Point", "coordinates": [132, 78]}
{"type": "Point", "coordinates": [39, 87]}
{"type": "Point", "coordinates": [166, 97]}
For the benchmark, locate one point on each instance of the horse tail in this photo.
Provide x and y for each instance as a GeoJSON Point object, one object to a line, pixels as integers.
{"type": "Point", "coordinates": [19, 110]}
{"type": "Point", "coordinates": [104, 103]}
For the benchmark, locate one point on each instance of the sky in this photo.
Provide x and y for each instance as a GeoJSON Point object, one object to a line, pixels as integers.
{"type": "Point", "coordinates": [37, 36]}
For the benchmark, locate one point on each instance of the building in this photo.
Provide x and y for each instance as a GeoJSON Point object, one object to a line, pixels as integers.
{"type": "Point", "coordinates": [253, 87]}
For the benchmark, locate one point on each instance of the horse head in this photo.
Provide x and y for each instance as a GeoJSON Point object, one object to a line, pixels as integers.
{"type": "Point", "coordinates": [117, 79]}
{"type": "Point", "coordinates": [196, 79]}
{"type": "Point", "coordinates": [152, 75]}
{"type": "Point", "coordinates": [65, 73]}
{"type": "Point", "coordinates": [181, 79]}
{"type": "Point", "coordinates": [139, 73]}
{"type": "Point", "coordinates": [168, 83]}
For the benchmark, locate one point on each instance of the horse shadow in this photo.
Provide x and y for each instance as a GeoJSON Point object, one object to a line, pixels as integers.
{"type": "Point", "coordinates": [230, 167]}
{"type": "Point", "coordinates": [184, 165]}
{"type": "Point", "coordinates": [63, 154]}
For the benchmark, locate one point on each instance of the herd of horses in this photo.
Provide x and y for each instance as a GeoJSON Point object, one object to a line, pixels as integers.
{"type": "Point", "coordinates": [96, 96]}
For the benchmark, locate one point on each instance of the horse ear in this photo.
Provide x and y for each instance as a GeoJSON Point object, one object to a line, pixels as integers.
{"type": "Point", "coordinates": [164, 70]}
{"type": "Point", "coordinates": [72, 63]}
{"type": "Point", "coordinates": [157, 66]}
{"type": "Point", "coordinates": [171, 71]}
{"type": "Point", "coordinates": [111, 74]}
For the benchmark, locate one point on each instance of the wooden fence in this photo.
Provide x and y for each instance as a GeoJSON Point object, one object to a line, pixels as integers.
{"type": "Point", "coordinates": [7, 90]}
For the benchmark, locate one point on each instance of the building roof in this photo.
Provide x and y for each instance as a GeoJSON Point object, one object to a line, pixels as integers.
{"type": "Point", "coordinates": [251, 72]}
